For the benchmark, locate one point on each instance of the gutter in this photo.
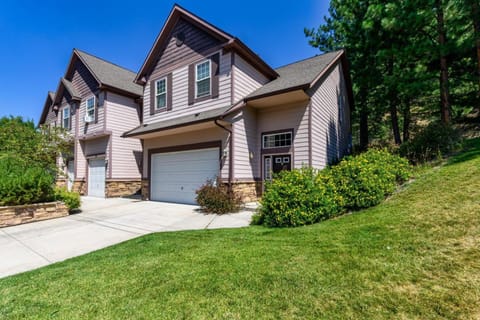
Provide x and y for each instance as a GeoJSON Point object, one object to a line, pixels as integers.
{"type": "Point", "coordinates": [230, 153]}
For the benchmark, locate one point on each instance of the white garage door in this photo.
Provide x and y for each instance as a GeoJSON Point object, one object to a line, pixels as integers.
{"type": "Point", "coordinates": [176, 176]}
{"type": "Point", "coordinates": [96, 178]}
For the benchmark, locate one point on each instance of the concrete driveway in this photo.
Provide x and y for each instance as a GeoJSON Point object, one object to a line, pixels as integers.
{"type": "Point", "coordinates": [102, 223]}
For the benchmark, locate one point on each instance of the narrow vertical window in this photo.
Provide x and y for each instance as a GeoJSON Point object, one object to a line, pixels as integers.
{"type": "Point", "coordinates": [202, 79]}
{"type": "Point", "coordinates": [66, 117]}
{"type": "Point", "coordinates": [161, 94]}
{"type": "Point", "coordinates": [90, 110]}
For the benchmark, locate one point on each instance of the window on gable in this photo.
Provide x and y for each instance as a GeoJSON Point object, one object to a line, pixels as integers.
{"type": "Point", "coordinates": [161, 93]}
{"type": "Point", "coordinates": [202, 79]}
{"type": "Point", "coordinates": [277, 140]}
{"type": "Point", "coordinates": [90, 110]}
{"type": "Point", "coordinates": [66, 117]}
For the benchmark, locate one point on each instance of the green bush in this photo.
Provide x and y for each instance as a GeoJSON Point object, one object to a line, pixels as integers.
{"type": "Point", "coordinates": [298, 197]}
{"type": "Point", "coordinates": [431, 143]}
{"type": "Point", "coordinates": [306, 196]}
{"type": "Point", "coordinates": [365, 180]}
{"type": "Point", "coordinates": [21, 184]}
{"type": "Point", "coordinates": [216, 198]}
{"type": "Point", "coordinates": [70, 198]}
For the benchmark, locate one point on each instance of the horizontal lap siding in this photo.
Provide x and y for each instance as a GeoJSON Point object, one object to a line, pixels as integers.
{"type": "Point", "coordinates": [97, 146]}
{"type": "Point", "coordinates": [245, 142]}
{"type": "Point", "coordinates": [180, 105]}
{"type": "Point", "coordinates": [86, 86]}
{"type": "Point", "coordinates": [246, 78]}
{"type": "Point", "coordinates": [126, 152]}
{"type": "Point", "coordinates": [198, 45]}
{"type": "Point", "coordinates": [330, 139]}
{"type": "Point", "coordinates": [80, 160]}
{"type": "Point", "coordinates": [206, 135]}
{"type": "Point", "coordinates": [285, 117]}
{"type": "Point", "coordinates": [195, 44]}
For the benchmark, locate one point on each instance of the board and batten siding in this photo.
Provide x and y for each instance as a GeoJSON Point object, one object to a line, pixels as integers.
{"type": "Point", "coordinates": [187, 138]}
{"type": "Point", "coordinates": [246, 78]}
{"type": "Point", "coordinates": [330, 126]}
{"type": "Point", "coordinates": [126, 152]}
{"type": "Point", "coordinates": [245, 144]}
{"type": "Point", "coordinates": [180, 106]}
{"type": "Point", "coordinates": [292, 116]}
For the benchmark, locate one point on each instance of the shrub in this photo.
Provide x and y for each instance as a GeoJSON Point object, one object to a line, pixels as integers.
{"type": "Point", "coordinates": [365, 180]}
{"type": "Point", "coordinates": [216, 198]}
{"type": "Point", "coordinates": [431, 143]}
{"type": "Point", "coordinates": [21, 184]}
{"type": "Point", "coordinates": [70, 198]}
{"type": "Point", "coordinates": [298, 197]}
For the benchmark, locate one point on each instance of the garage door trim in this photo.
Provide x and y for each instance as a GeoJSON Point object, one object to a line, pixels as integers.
{"type": "Point", "coordinates": [185, 147]}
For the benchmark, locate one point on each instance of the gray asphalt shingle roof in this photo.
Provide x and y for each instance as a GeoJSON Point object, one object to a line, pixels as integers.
{"type": "Point", "coordinates": [296, 74]}
{"type": "Point", "coordinates": [71, 90]}
{"type": "Point", "coordinates": [175, 122]}
{"type": "Point", "coordinates": [110, 74]}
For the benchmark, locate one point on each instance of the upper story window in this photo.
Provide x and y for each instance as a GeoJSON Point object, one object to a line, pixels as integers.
{"type": "Point", "coordinates": [277, 140]}
{"type": "Point", "coordinates": [161, 94]}
{"type": "Point", "coordinates": [90, 110]}
{"type": "Point", "coordinates": [66, 117]}
{"type": "Point", "coordinates": [202, 79]}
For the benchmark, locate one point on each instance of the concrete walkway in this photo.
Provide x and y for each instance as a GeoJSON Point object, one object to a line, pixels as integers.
{"type": "Point", "coordinates": [102, 223]}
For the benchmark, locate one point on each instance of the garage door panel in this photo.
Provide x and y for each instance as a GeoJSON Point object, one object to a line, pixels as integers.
{"type": "Point", "coordinates": [176, 176]}
{"type": "Point", "coordinates": [96, 178]}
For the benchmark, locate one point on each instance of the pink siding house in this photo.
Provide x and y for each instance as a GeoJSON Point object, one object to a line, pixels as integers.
{"type": "Point", "coordinates": [215, 109]}
{"type": "Point", "coordinates": [95, 101]}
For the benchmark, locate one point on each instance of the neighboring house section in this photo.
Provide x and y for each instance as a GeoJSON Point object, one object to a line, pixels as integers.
{"type": "Point", "coordinates": [95, 101]}
{"type": "Point", "coordinates": [213, 109]}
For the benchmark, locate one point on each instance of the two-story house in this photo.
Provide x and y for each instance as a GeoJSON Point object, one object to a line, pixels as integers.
{"type": "Point", "coordinates": [215, 109]}
{"type": "Point", "coordinates": [95, 102]}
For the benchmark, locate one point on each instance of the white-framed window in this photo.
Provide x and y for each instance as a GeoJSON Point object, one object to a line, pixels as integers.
{"type": "Point", "coordinates": [203, 73]}
{"type": "Point", "coordinates": [161, 93]}
{"type": "Point", "coordinates": [66, 117]}
{"type": "Point", "coordinates": [267, 168]}
{"type": "Point", "coordinates": [277, 140]}
{"type": "Point", "coordinates": [90, 110]}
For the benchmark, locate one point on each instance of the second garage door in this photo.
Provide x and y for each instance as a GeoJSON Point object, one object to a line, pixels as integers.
{"type": "Point", "coordinates": [175, 176]}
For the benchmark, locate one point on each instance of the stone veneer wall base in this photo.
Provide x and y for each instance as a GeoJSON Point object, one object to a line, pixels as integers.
{"type": "Point", "coordinates": [122, 188]}
{"type": "Point", "coordinates": [14, 215]}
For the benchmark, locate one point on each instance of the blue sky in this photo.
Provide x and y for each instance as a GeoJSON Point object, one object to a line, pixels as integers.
{"type": "Point", "coordinates": [37, 37]}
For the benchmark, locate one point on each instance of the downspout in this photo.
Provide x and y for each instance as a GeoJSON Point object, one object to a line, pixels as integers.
{"type": "Point", "coordinates": [230, 154]}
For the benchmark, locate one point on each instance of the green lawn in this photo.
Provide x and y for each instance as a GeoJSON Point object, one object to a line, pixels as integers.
{"type": "Point", "coordinates": [415, 256]}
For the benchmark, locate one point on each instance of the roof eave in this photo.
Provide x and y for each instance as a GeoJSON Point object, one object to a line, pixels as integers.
{"type": "Point", "coordinates": [114, 89]}
{"type": "Point", "coordinates": [238, 46]}
{"type": "Point", "coordinates": [129, 134]}
{"type": "Point", "coordinates": [303, 87]}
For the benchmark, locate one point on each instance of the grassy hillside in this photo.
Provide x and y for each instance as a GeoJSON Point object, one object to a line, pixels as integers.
{"type": "Point", "coordinates": [415, 256]}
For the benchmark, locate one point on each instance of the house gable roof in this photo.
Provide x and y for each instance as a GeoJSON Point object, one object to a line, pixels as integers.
{"type": "Point", "coordinates": [65, 85]}
{"type": "Point", "coordinates": [108, 75]}
{"type": "Point", "coordinates": [229, 43]}
{"type": "Point", "coordinates": [46, 107]}
{"type": "Point", "coordinates": [297, 75]}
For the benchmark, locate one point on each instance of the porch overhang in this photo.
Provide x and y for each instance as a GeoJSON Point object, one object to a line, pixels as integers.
{"type": "Point", "coordinates": [278, 98]}
{"type": "Point", "coordinates": [191, 122]}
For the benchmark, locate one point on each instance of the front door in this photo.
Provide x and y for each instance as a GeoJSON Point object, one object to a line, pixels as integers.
{"type": "Point", "coordinates": [276, 163]}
